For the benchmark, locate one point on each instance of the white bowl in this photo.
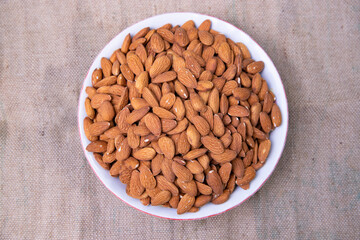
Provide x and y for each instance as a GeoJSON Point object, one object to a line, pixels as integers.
{"type": "Point", "coordinates": [278, 137]}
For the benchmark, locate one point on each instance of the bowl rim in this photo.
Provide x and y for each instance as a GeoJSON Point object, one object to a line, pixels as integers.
{"type": "Point", "coordinates": [169, 218]}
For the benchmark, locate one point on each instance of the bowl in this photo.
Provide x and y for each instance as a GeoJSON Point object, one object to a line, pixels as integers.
{"type": "Point", "coordinates": [277, 137]}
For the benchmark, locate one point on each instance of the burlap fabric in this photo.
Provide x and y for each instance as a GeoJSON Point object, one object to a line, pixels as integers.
{"type": "Point", "coordinates": [47, 188]}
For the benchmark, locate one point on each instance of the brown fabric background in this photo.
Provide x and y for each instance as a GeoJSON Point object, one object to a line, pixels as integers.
{"type": "Point", "coordinates": [47, 188]}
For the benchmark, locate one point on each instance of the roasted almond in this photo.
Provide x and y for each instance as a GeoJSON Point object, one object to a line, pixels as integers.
{"type": "Point", "coordinates": [213, 144]}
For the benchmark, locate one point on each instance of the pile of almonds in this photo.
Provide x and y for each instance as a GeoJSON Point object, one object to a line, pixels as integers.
{"type": "Point", "coordinates": [181, 115]}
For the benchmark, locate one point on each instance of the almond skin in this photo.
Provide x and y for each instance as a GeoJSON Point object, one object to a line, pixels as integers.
{"type": "Point", "coordinates": [181, 172]}
{"type": "Point", "coordinates": [201, 125]}
{"type": "Point", "coordinates": [265, 122]}
{"type": "Point", "coordinates": [202, 200]}
{"type": "Point", "coordinates": [264, 149]}
{"type": "Point", "coordinates": [161, 198]}
{"type": "Point", "coordinates": [167, 146]}
{"type": "Point", "coordinates": [147, 179]}
{"type": "Point", "coordinates": [97, 146]}
{"type": "Point", "coordinates": [185, 204]}
{"type": "Point", "coordinates": [136, 115]}
{"type": "Point", "coordinates": [186, 77]}
{"type": "Point", "coordinates": [159, 66]}
{"type": "Point", "coordinates": [238, 111]}
{"type": "Point", "coordinates": [98, 128]}
{"type": "Point", "coordinates": [153, 123]}
{"type": "Point", "coordinates": [276, 115]}
{"type": "Point", "coordinates": [227, 156]}
{"type": "Point", "coordinates": [214, 181]}
{"type": "Point", "coordinates": [145, 154]}
{"type": "Point", "coordinates": [213, 144]}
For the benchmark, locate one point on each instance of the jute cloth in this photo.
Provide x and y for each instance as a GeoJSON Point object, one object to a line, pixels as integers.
{"type": "Point", "coordinates": [47, 188]}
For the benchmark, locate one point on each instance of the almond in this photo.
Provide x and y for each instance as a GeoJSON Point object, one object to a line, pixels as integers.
{"type": "Point", "coordinates": [206, 38]}
{"type": "Point", "coordinates": [126, 44]}
{"type": "Point", "coordinates": [160, 65]}
{"type": "Point", "coordinates": [236, 142]}
{"type": "Point", "coordinates": [181, 172]}
{"type": "Point", "coordinates": [161, 198]}
{"type": "Point", "coordinates": [134, 63]}
{"type": "Point", "coordinates": [98, 158]}
{"type": "Point", "coordinates": [193, 136]}
{"type": "Point", "coordinates": [255, 113]}
{"type": "Point", "coordinates": [183, 145]}
{"type": "Point", "coordinates": [106, 110]}
{"type": "Point", "coordinates": [142, 81]}
{"type": "Point", "coordinates": [205, 25]}
{"type": "Point", "coordinates": [265, 122]}
{"type": "Point", "coordinates": [203, 188]}
{"type": "Point", "coordinates": [193, 66]}
{"type": "Point", "coordinates": [241, 93]}
{"type": "Point", "coordinates": [224, 172]}
{"type": "Point", "coordinates": [201, 125]}
{"type": "Point", "coordinates": [166, 185]}
{"type": "Point", "coordinates": [166, 34]}
{"type": "Point", "coordinates": [227, 156]}
{"type": "Point", "coordinates": [194, 167]}
{"type": "Point", "coordinates": [152, 122]}
{"type": "Point", "coordinates": [225, 52]}
{"type": "Point", "coordinates": [186, 77]}
{"type": "Point", "coordinates": [87, 123]}
{"type": "Point", "coordinates": [107, 81]}
{"type": "Point", "coordinates": [214, 181]}
{"type": "Point", "coordinates": [144, 154]}
{"type": "Point", "coordinates": [156, 164]}
{"type": "Point", "coordinates": [276, 115]}
{"type": "Point", "coordinates": [97, 146]}
{"type": "Point", "coordinates": [185, 204]}
{"type": "Point", "coordinates": [168, 124]}
{"type": "Point", "coordinates": [98, 128]}
{"type": "Point", "coordinates": [213, 144]}
{"type": "Point", "coordinates": [197, 102]}
{"type": "Point", "coordinates": [268, 102]}
{"type": "Point", "coordinates": [219, 128]}
{"type": "Point", "coordinates": [150, 97]}
{"type": "Point", "coordinates": [124, 150]}
{"type": "Point", "coordinates": [229, 87]}
{"type": "Point", "coordinates": [167, 146]}
{"type": "Point", "coordinates": [121, 118]}
{"type": "Point", "coordinates": [181, 37]}
{"type": "Point", "coordinates": [222, 197]}
{"type": "Point", "coordinates": [226, 139]}
{"type": "Point", "coordinates": [195, 153]}
{"type": "Point", "coordinates": [133, 139]}
{"type": "Point", "coordinates": [238, 111]}
{"type": "Point", "coordinates": [157, 43]}
{"type": "Point", "coordinates": [188, 187]}
{"type": "Point", "coordinates": [106, 67]}
{"type": "Point", "coordinates": [180, 127]}
{"type": "Point", "coordinates": [164, 77]}
{"type": "Point", "coordinates": [167, 100]}
{"type": "Point", "coordinates": [264, 149]}
{"type": "Point", "coordinates": [136, 189]}
{"type": "Point", "coordinates": [256, 83]}
{"type": "Point", "coordinates": [163, 113]}
{"type": "Point", "coordinates": [138, 103]}
{"type": "Point", "coordinates": [98, 99]}
{"type": "Point", "coordinates": [166, 169]}
{"type": "Point", "coordinates": [248, 176]}
{"type": "Point", "coordinates": [136, 115]}
{"type": "Point", "coordinates": [255, 67]}
{"type": "Point", "coordinates": [230, 72]}
{"type": "Point", "coordinates": [147, 179]}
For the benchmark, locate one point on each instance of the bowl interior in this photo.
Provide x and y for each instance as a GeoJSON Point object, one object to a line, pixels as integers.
{"type": "Point", "coordinates": [278, 137]}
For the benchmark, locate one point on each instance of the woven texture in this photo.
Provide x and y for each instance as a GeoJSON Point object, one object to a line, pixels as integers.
{"type": "Point", "coordinates": [47, 188]}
